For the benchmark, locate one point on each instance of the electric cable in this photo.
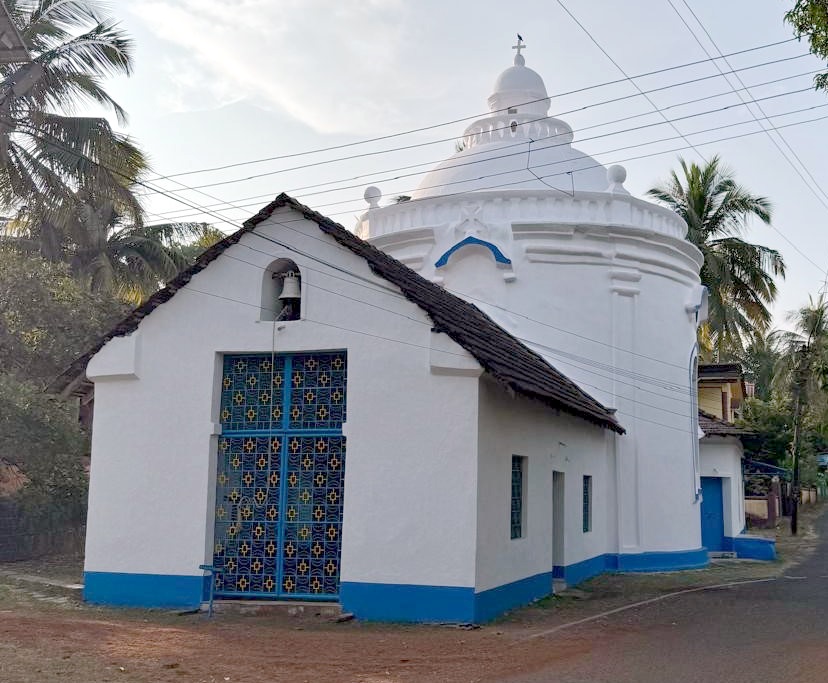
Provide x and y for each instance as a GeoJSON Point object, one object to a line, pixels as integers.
{"type": "Point", "coordinates": [475, 116]}
{"type": "Point", "coordinates": [316, 164]}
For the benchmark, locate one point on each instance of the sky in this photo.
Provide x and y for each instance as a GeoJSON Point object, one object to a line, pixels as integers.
{"type": "Point", "coordinates": [220, 83]}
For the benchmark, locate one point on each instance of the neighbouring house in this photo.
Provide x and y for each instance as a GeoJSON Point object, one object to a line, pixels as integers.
{"type": "Point", "coordinates": [489, 386]}
{"type": "Point", "coordinates": [721, 457]}
{"type": "Point", "coordinates": [721, 390]}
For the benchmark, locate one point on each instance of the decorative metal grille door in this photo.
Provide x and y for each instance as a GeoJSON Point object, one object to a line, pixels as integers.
{"type": "Point", "coordinates": [281, 460]}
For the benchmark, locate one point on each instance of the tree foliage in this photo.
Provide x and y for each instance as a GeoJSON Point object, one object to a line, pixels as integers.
{"type": "Point", "coordinates": [809, 19]}
{"type": "Point", "coordinates": [739, 275]}
{"type": "Point", "coordinates": [801, 355]}
{"type": "Point", "coordinates": [40, 435]}
{"type": "Point", "coordinates": [47, 318]}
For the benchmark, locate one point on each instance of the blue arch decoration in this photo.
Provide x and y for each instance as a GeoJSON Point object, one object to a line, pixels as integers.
{"type": "Point", "coordinates": [499, 256]}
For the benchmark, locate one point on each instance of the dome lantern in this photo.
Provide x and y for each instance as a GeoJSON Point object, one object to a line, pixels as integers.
{"type": "Point", "coordinates": [519, 89]}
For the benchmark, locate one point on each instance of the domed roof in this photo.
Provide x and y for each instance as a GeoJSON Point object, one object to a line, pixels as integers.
{"type": "Point", "coordinates": [520, 78]}
{"type": "Point", "coordinates": [518, 146]}
{"type": "Point", "coordinates": [515, 166]}
{"type": "Point", "coordinates": [521, 88]}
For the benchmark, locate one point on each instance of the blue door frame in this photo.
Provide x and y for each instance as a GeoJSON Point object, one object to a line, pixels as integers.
{"type": "Point", "coordinates": [712, 514]}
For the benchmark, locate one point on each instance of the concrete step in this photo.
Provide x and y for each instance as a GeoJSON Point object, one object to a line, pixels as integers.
{"type": "Point", "coordinates": [291, 608]}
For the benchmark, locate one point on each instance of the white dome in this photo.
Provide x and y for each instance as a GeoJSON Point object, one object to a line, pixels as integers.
{"type": "Point", "coordinates": [520, 88]}
{"type": "Point", "coordinates": [504, 166]}
{"type": "Point", "coordinates": [520, 78]}
{"type": "Point", "coordinates": [516, 147]}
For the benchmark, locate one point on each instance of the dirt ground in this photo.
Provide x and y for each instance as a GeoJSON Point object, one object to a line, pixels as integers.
{"type": "Point", "coordinates": [47, 635]}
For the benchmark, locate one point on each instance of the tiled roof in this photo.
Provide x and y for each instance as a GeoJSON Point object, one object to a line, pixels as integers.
{"type": "Point", "coordinates": [713, 426]}
{"type": "Point", "coordinates": [720, 371]}
{"type": "Point", "coordinates": [500, 355]}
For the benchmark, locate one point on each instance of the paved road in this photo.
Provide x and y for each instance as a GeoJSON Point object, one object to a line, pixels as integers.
{"type": "Point", "coordinates": [773, 631]}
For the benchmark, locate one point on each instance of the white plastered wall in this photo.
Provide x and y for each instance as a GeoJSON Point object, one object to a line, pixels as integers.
{"type": "Point", "coordinates": [722, 457]}
{"type": "Point", "coordinates": [550, 441]}
{"type": "Point", "coordinates": [410, 494]}
{"type": "Point", "coordinates": [606, 289]}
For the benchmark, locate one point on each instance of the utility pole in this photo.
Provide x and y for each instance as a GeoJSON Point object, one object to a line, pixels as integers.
{"type": "Point", "coordinates": [800, 377]}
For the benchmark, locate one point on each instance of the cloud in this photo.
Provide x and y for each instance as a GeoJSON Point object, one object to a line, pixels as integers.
{"type": "Point", "coordinates": [325, 63]}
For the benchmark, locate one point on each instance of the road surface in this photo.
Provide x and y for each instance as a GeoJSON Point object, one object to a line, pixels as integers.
{"type": "Point", "coordinates": [769, 631]}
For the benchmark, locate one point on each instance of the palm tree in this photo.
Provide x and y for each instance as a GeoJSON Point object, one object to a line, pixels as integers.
{"type": "Point", "coordinates": [46, 153]}
{"type": "Point", "coordinates": [805, 351]}
{"type": "Point", "coordinates": [112, 253]}
{"type": "Point", "coordinates": [738, 275]}
{"type": "Point", "coordinates": [759, 359]}
{"type": "Point", "coordinates": [804, 369]}
{"type": "Point", "coordinates": [106, 250]}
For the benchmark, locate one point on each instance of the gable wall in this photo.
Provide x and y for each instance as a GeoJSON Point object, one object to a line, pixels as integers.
{"type": "Point", "coordinates": [410, 498]}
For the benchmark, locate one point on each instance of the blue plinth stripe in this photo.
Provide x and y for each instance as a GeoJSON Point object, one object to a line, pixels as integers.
{"type": "Point", "coordinates": [666, 561]}
{"type": "Point", "coordinates": [401, 602]}
{"type": "Point", "coordinates": [143, 590]}
{"type": "Point", "coordinates": [661, 561]}
{"type": "Point", "coordinates": [754, 548]}
{"type": "Point", "coordinates": [491, 603]}
{"type": "Point", "coordinates": [435, 604]}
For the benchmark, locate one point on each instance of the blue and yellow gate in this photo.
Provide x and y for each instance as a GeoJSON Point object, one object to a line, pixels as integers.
{"type": "Point", "coordinates": [279, 484]}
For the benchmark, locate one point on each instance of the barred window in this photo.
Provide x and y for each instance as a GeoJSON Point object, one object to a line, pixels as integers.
{"type": "Point", "coordinates": [587, 503]}
{"type": "Point", "coordinates": [518, 492]}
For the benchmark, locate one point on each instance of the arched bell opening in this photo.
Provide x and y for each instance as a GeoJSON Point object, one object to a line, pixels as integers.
{"type": "Point", "coordinates": [282, 291]}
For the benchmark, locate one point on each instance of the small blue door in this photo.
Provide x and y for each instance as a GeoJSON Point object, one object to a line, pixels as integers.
{"type": "Point", "coordinates": [712, 514]}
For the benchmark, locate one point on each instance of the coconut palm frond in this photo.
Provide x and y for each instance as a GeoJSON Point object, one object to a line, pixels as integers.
{"type": "Point", "coordinates": [51, 152]}
{"type": "Point", "coordinates": [740, 276]}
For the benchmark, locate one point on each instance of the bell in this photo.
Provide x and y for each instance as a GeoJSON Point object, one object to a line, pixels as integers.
{"type": "Point", "coordinates": [290, 287]}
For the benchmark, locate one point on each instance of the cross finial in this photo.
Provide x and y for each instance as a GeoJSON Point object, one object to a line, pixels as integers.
{"type": "Point", "coordinates": [519, 60]}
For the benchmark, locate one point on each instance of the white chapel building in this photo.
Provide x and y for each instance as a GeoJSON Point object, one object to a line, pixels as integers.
{"type": "Point", "coordinates": [482, 389]}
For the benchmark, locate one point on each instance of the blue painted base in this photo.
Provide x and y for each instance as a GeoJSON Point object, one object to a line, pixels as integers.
{"type": "Point", "coordinates": [430, 604]}
{"type": "Point", "coordinates": [400, 602]}
{"type": "Point", "coordinates": [754, 548]}
{"type": "Point", "coordinates": [577, 572]}
{"type": "Point", "coordinates": [144, 590]}
{"type": "Point", "coordinates": [412, 603]}
{"type": "Point", "coordinates": [495, 601]}
{"type": "Point", "coordinates": [662, 561]}
{"type": "Point", "coordinates": [436, 604]}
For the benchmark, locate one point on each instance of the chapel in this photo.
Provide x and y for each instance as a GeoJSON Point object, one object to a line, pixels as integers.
{"type": "Point", "coordinates": [484, 391]}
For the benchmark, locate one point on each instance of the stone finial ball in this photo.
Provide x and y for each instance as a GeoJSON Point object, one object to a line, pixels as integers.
{"type": "Point", "coordinates": [372, 196]}
{"type": "Point", "coordinates": [616, 174]}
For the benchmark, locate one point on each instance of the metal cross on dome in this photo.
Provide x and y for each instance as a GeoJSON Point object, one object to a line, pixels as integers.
{"type": "Point", "coordinates": [520, 45]}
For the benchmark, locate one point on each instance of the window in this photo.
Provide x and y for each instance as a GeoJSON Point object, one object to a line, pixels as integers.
{"type": "Point", "coordinates": [518, 491]}
{"type": "Point", "coordinates": [587, 503]}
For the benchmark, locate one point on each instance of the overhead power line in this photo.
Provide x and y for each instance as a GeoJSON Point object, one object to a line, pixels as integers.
{"type": "Point", "coordinates": [381, 152]}
{"type": "Point", "coordinates": [816, 189]}
{"type": "Point", "coordinates": [487, 156]}
{"type": "Point", "coordinates": [176, 214]}
{"type": "Point", "coordinates": [381, 138]}
{"type": "Point", "coordinates": [736, 91]}
{"type": "Point", "coordinates": [634, 84]}
{"type": "Point", "coordinates": [293, 248]}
